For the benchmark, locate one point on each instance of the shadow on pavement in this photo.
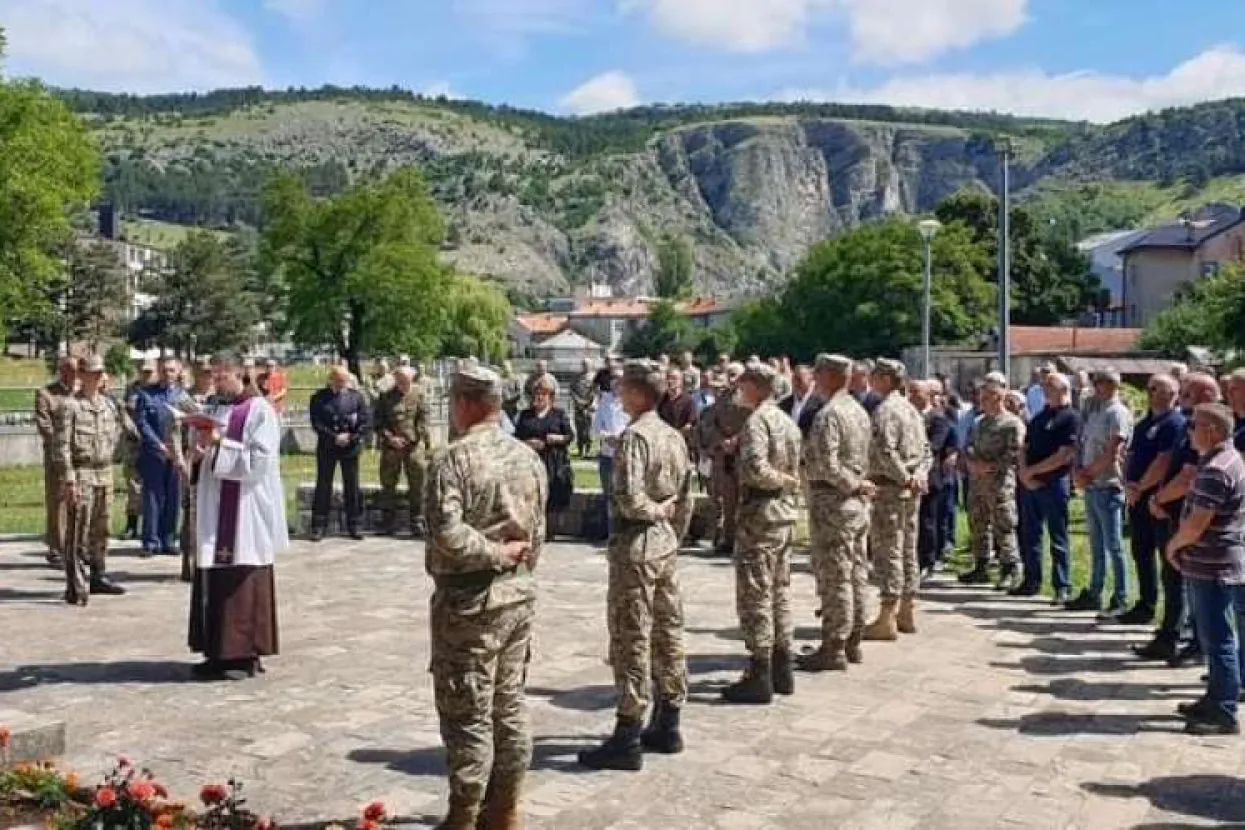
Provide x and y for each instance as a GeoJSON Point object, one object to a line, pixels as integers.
{"type": "Point", "coordinates": [134, 671]}
{"type": "Point", "coordinates": [429, 761]}
{"type": "Point", "coordinates": [1071, 688]}
{"type": "Point", "coordinates": [711, 663]}
{"type": "Point", "coordinates": [19, 595]}
{"type": "Point", "coordinates": [583, 699]}
{"type": "Point", "coordinates": [1051, 724]}
{"type": "Point", "coordinates": [1219, 798]}
{"type": "Point", "coordinates": [1044, 664]}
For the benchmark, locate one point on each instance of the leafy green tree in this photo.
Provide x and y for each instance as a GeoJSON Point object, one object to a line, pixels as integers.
{"type": "Point", "coordinates": [95, 295]}
{"type": "Point", "coordinates": [49, 166]}
{"type": "Point", "coordinates": [861, 294]}
{"type": "Point", "coordinates": [1208, 313]}
{"type": "Point", "coordinates": [360, 269]}
{"type": "Point", "coordinates": [203, 304]}
{"type": "Point", "coordinates": [477, 318]}
{"type": "Point", "coordinates": [665, 332]}
{"type": "Point", "coordinates": [1050, 279]}
{"type": "Point", "coordinates": [676, 262]}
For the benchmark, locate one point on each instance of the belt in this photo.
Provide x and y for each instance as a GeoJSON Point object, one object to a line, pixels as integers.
{"type": "Point", "coordinates": [754, 493]}
{"type": "Point", "coordinates": [633, 524]}
{"type": "Point", "coordinates": [478, 580]}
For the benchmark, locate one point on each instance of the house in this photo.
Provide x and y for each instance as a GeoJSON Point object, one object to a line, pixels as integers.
{"type": "Point", "coordinates": [526, 330]}
{"type": "Point", "coordinates": [1103, 252]}
{"type": "Point", "coordinates": [567, 348]}
{"type": "Point", "coordinates": [1161, 261]}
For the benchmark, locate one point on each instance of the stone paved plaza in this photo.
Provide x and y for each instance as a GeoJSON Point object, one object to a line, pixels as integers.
{"type": "Point", "coordinates": [998, 714]}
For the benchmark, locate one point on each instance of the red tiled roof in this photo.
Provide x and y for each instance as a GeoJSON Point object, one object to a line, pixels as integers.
{"type": "Point", "coordinates": [1072, 340]}
{"type": "Point", "coordinates": [698, 306]}
{"type": "Point", "coordinates": [542, 323]}
{"type": "Point", "coordinates": [612, 307]}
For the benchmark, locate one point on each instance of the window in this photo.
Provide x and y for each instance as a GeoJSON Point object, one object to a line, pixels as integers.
{"type": "Point", "coordinates": [1209, 269]}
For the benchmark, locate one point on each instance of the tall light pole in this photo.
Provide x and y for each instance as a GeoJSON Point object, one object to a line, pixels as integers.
{"type": "Point", "coordinates": [928, 229]}
{"type": "Point", "coordinates": [1003, 147]}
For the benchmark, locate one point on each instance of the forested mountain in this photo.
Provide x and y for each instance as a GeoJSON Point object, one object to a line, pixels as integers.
{"type": "Point", "coordinates": [544, 202]}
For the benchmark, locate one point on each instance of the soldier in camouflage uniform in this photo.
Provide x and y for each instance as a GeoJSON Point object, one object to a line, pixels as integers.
{"type": "Point", "coordinates": [769, 478]}
{"type": "Point", "coordinates": [651, 511]}
{"type": "Point", "coordinates": [49, 409]}
{"type": "Point", "coordinates": [836, 462]}
{"type": "Point", "coordinates": [993, 459]}
{"type": "Point", "coordinates": [86, 441]}
{"type": "Point", "coordinates": [720, 426]}
{"type": "Point", "coordinates": [899, 464]}
{"type": "Point", "coordinates": [584, 403]}
{"type": "Point", "coordinates": [485, 509]}
{"type": "Point", "coordinates": [402, 422]}
{"type": "Point", "coordinates": [130, 445]}
{"type": "Point", "coordinates": [511, 391]}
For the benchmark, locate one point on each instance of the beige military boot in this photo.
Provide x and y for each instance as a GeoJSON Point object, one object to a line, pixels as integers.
{"type": "Point", "coordinates": [460, 817]}
{"type": "Point", "coordinates": [905, 620]}
{"type": "Point", "coordinates": [501, 812]}
{"type": "Point", "coordinates": [883, 628]}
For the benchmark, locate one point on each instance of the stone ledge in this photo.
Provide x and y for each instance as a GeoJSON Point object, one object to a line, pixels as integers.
{"type": "Point", "coordinates": [31, 739]}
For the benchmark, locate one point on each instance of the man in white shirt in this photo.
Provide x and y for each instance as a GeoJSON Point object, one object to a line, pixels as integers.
{"type": "Point", "coordinates": [608, 424]}
{"type": "Point", "coordinates": [1035, 397]}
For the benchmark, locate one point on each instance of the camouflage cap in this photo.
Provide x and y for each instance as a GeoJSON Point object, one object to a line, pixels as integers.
{"type": "Point", "coordinates": [891, 368]}
{"type": "Point", "coordinates": [474, 379]}
{"type": "Point", "coordinates": [832, 363]}
{"type": "Point", "coordinates": [996, 379]}
{"type": "Point", "coordinates": [91, 364]}
{"type": "Point", "coordinates": [761, 374]}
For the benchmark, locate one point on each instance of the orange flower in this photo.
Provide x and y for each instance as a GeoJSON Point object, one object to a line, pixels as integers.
{"type": "Point", "coordinates": [374, 811]}
{"type": "Point", "coordinates": [213, 794]}
{"type": "Point", "coordinates": [365, 824]}
{"type": "Point", "coordinates": [71, 781]}
{"type": "Point", "coordinates": [6, 737]}
{"type": "Point", "coordinates": [141, 791]}
{"type": "Point", "coordinates": [165, 820]}
{"type": "Point", "coordinates": [105, 797]}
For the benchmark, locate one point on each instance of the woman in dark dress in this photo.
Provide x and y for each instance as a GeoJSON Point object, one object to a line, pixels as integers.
{"type": "Point", "coordinates": [547, 429]}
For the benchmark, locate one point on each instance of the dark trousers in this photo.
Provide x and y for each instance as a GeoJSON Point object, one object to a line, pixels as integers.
{"type": "Point", "coordinates": [1173, 585]}
{"type": "Point", "coordinates": [1045, 511]}
{"type": "Point", "coordinates": [948, 510]}
{"type": "Point", "coordinates": [327, 461]}
{"type": "Point", "coordinates": [161, 501]}
{"type": "Point", "coordinates": [1145, 551]}
{"type": "Point", "coordinates": [929, 532]}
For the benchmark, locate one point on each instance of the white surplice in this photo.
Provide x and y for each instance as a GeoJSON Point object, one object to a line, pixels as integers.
{"type": "Point", "coordinates": [255, 463]}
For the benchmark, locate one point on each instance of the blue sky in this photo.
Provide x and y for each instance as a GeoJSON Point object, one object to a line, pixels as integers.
{"type": "Point", "coordinates": [1091, 59]}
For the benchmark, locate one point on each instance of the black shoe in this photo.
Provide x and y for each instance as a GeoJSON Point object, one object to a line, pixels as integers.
{"type": "Point", "coordinates": [979, 575]}
{"type": "Point", "coordinates": [386, 530]}
{"type": "Point", "coordinates": [170, 552]}
{"type": "Point", "coordinates": [418, 528]}
{"type": "Point", "coordinates": [662, 734]}
{"type": "Point", "coordinates": [852, 650]}
{"type": "Point", "coordinates": [1007, 577]}
{"type": "Point", "coordinates": [1211, 723]}
{"type": "Point", "coordinates": [103, 585]}
{"type": "Point", "coordinates": [355, 534]}
{"type": "Point", "coordinates": [55, 560]}
{"type": "Point", "coordinates": [1189, 653]}
{"type": "Point", "coordinates": [207, 670]}
{"type": "Point", "coordinates": [316, 534]}
{"type": "Point", "coordinates": [1062, 595]}
{"type": "Point", "coordinates": [131, 528]}
{"type": "Point", "coordinates": [756, 687]}
{"type": "Point", "coordinates": [1195, 708]}
{"type": "Point", "coordinates": [1084, 602]}
{"type": "Point", "coordinates": [621, 751]}
{"type": "Point", "coordinates": [1137, 615]}
{"type": "Point", "coordinates": [146, 553]}
{"type": "Point", "coordinates": [1156, 649]}
{"type": "Point", "coordinates": [1023, 590]}
{"type": "Point", "coordinates": [782, 678]}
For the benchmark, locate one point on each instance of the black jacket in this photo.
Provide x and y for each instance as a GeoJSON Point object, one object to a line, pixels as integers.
{"type": "Point", "coordinates": [942, 443]}
{"type": "Point", "coordinates": [811, 407]}
{"type": "Point", "coordinates": [335, 413]}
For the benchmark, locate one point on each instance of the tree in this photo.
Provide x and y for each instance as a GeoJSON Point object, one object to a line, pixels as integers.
{"type": "Point", "coordinates": [49, 166]}
{"type": "Point", "coordinates": [361, 268]}
{"type": "Point", "coordinates": [95, 294]}
{"type": "Point", "coordinates": [676, 262]}
{"type": "Point", "coordinates": [665, 332]}
{"type": "Point", "coordinates": [477, 318]}
{"type": "Point", "coordinates": [861, 294]}
{"type": "Point", "coordinates": [203, 303]}
{"type": "Point", "coordinates": [1209, 313]}
{"type": "Point", "coordinates": [1050, 279]}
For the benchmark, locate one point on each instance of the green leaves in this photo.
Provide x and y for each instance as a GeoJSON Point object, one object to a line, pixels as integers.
{"type": "Point", "coordinates": [1209, 313]}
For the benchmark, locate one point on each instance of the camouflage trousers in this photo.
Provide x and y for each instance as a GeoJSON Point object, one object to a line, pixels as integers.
{"type": "Point", "coordinates": [479, 671]}
{"type": "Point", "coordinates": [190, 531]}
{"type": "Point", "coordinates": [892, 542]}
{"type": "Point", "coordinates": [86, 542]}
{"type": "Point", "coordinates": [839, 529]}
{"type": "Point", "coordinates": [724, 491]}
{"type": "Point", "coordinates": [762, 587]}
{"type": "Point", "coordinates": [645, 621]}
{"type": "Point", "coordinates": [583, 429]}
{"type": "Point", "coordinates": [394, 464]}
{"type": "Point", "coordinates": [133, 482]}
{"type": "Point", "coordinates": [992, 520]}
{"type": "Point", "coordinates": [56, 509]}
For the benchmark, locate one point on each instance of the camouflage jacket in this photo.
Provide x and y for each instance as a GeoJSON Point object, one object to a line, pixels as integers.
{"type": "Point", "coordinates": [999, 440]}
{"type": "Point", "coordinates": [836, 453]}
{"type": "Point", "coordinates": [720, 422]}
{"type": "Point", "coordinates": [651, 470]}
{"type": "Point", "coordinates": [49, 410]}
{"type": "Point", "coordinates": [86, 440]}
{"type": "Point", "coordinates": [769, 466]}
{"type": "Point", "coordinates": [900, 448]}
{"type": "Point", "coordinates": [483, 490]}
{"type": "Point", "coordinates": [404, 416]}
{"type": "Point", "coordinates": [583, 395]}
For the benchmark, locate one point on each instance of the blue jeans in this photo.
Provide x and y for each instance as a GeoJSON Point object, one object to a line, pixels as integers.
{"type": "Point", "coordinates": [1214, 606]}
{"type": "Point", "coordinates": [161, 501]}
{"type": "Point", "coordinates": [605, 468]}
{"type": "Point", "coordinates": [1104, 514]}
{"type": "Point", "coordinates": [1046, 509]}
{"type": "Point", "coordinates": [947, 514]}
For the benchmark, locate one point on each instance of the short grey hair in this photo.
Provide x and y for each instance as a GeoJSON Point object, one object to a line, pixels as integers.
{"type": "Point", "coordinates": [1217, 415]}
{"type": "Point", "coordinates": [1059, 380]}
{"type": "Point", "coordinates": [1167, 380]}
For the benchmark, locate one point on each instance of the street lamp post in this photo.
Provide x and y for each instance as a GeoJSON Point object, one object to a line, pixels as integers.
{"type": "Point", "coordinates": [1004, 149]}
{"type": "Point", "coordinates": [928, 229]}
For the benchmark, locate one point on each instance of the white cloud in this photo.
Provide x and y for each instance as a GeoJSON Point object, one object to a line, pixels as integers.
{"type": "Point", "coordinates": [606, 92]}
{"type": "Point", "coordinates": [881, 31]}
{"type": "Point", "coordinates": [1091, 96]}
{"type": "Point", "coordinates": [440, 89]}
{"type": "Point", "coordinates": [298, 11]}
{"type": "Point", "coordinates": [130, 45]}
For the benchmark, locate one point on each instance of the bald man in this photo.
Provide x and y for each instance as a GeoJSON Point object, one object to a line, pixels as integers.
{"type": "Point", "coordinates": [342, 421]}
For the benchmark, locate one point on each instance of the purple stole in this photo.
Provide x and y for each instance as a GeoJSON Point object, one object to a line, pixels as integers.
{"type": "Point", "coordinates": [230, 492]}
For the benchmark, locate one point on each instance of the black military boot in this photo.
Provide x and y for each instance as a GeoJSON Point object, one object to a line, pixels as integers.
{"type": "Point", "coordinates": [621, 751]}
{"type": "Point", "coordinates": [662, 734]}
{"type": "Point", "coordinates": [755, 687]}
{"type": "Point", "coordinates": [979, 575]}
{"type": "Point", "coordinates": [781, 675]}
{"type": "Point", "coordinates": [851, 649]}
{"type": "Point", "coordinates": [317, 529]}
{"type": "Point", "coordinates": [829, 657]}
{"type": "Point", "coordinates": [131, 527]}
{"type": "Point", "coordinates": [387, 522]}
{"type": "Point", "coordinates": [101, 584]}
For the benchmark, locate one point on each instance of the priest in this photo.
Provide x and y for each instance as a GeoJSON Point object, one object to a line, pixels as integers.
{"type": "Point", "coordinates": [241, 527]}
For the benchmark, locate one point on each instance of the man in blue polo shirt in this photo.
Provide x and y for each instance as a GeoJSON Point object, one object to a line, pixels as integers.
{"type": "Point", "coordinates": [1149, 458]}
{"type": "Point", "coordinates": [1236, 399]}
{"type": "Point", "coordinates": [1045, 476]}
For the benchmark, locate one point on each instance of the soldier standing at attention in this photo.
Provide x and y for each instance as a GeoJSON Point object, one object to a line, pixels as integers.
{"type": "Point", "coordinates": [725, 419]}
{"type": "Point", "coordinates": [87, 435]}
{"type": "Point", "coordinates": [899, 463]}
{"type": "Point", "coordinates": [993, 459]}
{"type": "Point", "coordinates": [769, 478]}
{"type": "Point", "coordinates": [49, 407]}
{"type": "Point", "coordinates": [200, 392]}
{"type": "Point", "coordinates": [584, 403]}
{"type": "Point", "coordinates": [836, 463]}
{"type": "Point", "coordinates": [651, 510]}
{"type": "Point", "coordinates": [402, 424]}
{"type": "Point", "coordinates": [485, 508]}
